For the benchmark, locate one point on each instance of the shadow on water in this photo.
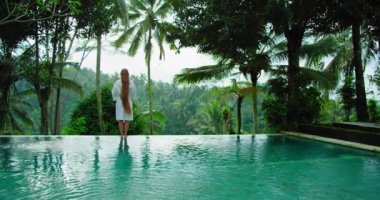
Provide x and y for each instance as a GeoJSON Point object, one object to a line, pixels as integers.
{"type": "Point", "coordinates": [123, 168]}
{"type": "Point", "coordinates": [124, 158]}
{"type": "Point", "coordinates": [123, 145]}
{"type": "Point", "coordinates": [5, 140]}
{"type": "Point", "coordinates": [146, 154]}
{"type": "Point", "coordinates": [96, 154]}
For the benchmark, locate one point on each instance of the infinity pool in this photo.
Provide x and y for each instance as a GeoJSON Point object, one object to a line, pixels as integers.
{"type": "Point", "coordinates": [184, 167]}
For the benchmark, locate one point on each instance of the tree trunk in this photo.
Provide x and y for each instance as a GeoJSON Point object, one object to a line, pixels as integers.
{"type": "Point", "coordinates": [6, 81]}
{"type": "Point", "coordinates": [150, 92]}
{"type": "Point", "coordinates": [294, 41]}
{"type": "Point", "coordinates": [51, 112]}
{"type": "Point", "coordinates": [224, 126]}
{"type": "Point", "coordinates": [41, 93]}
{"type": "Point", "coordinates": [4, 110]}
{"type": "Point", "coordinates": [43, 101]}
{"type": "Point", "coordinates": [361, 101]}
{"type": "Point", "coordinates": [254, 78]}
{"type": "Point", "coordinates": [63, 56]}
{"type": "Point", "coordinates": [48, 86]}
{"type": "Point", "coordinates": [98, 89]}
{"type": "Point", "coordinates": [239, 103]}
{"type": "Point", "coordinates": [57, 116]}
{"type": "Point", "coordinates": [58, 98]}
{"type": "Point", "coordinates": [225, 121]}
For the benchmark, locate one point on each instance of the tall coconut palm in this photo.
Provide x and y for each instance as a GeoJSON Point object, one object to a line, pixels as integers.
{"type": "Point", "coordinates": [250, 65]}
{"type": "Point", "coordinates": [147, 25]}
{"type": "Point", "coordinates": [96, 20]}
{"type": "Point", "coordinates": [340, 48]}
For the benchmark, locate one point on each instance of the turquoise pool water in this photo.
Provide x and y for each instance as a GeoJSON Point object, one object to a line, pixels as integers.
{"type": "Point", "coordinates": [184, 167]}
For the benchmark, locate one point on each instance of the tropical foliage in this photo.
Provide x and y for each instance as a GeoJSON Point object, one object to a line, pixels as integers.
{"type": "Point", "coordinates": [304, 62]}
{"type": "Point", "coordinates": [146, 23]}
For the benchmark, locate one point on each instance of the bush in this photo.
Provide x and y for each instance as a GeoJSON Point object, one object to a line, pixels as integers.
{"type": "Point", "coordinates": [275, 104]}
{"type": "Point", "coordinates": [374, 114]}
{"type": "Point", "coordinates": [84, 119]}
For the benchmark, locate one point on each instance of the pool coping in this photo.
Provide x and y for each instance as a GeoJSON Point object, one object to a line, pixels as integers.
{"type": "Point", "coordinates": [335, 141]}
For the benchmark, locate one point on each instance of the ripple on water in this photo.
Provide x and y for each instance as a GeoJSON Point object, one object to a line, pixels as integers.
{"type": "Point", "coordinates": [184, 167]}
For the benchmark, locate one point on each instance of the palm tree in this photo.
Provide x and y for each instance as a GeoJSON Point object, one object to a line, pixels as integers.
{"type": "Point", "coordinates": [250, 65]}
{"type": "Point", "coordinates": [156, 118]}
{"type": "Point", "coordinates": [240, 90]}
{"type": "Point", "coordinates": [96, 19]}
{"type": "Point", "coordinates": [340, 48]}
{"type": "Point", "coordinates": [18, 111]}
{"type": "Point", "coordinates": [208, 119]}
{"type": "Point", "coordinates": [7, 79]}
{"type": "Point", "coordinates": [146, 18]}
{"type": "Point", "coordinates": [226, 112]}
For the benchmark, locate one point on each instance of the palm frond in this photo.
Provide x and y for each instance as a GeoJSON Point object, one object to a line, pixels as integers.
{"type": "Point", "coordinates": [156, 115]}
{"type": "Point", "coordinates": [136, 42]}
{"type": "Point", "coordinates": [139, 5]}
{"type": "Point", "coordinates": [13, 121]}
{"type": "Point", "coordinates": [279, 52]}
{"type": "Point", "coordinates": [323, 79]}
{"type": "Point", "coordinates": [85, 48]}
{"type": "Point", "coordinates": [123, 38]}
{"type": "Point", "coordinates": [68, 84]}
{"type": "Point", "coordinates": [22, 115]}
{"type": "Point", "coordinates": [340, 60]}
{"type": "Point", "coordinates": [275, 44]}
{"type": "Point", "coordinates": [203, 73]}
{"type": "Point", "coordinates": [63, 64]}
{"type": "Point", "coordinates": [370, 51]}
{"type": "Point", "coordinates": [159, 36]}
{"type": "Point", "coordinates": [16, 102]}
{"type": "Point", "coordinates": [25, 93]}
{"type": "Point", "coordinates": [134, 16]}
{"type": "Point", "coordinates": [163, 9]}
{"type": "Point", "coordinates": [277, 70]}
{"type": "Point", "coordinates": [124, 15]}
{"type": "Point", "coordinates": [315, 52]}
{"type": "Point", "coordinates": [146, 25]}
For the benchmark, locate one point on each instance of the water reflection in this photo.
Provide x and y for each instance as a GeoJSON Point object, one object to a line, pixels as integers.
{"type": "Point", "coordinates": [96, 154]}
{"type": "Point", "coordinates": [146, 154]}
{"type": "Point", "coordinates": [124, 158]}
{"type": "Point", "coordinates": [213, 167]}
{"type": "Point", "coordinates": [119, 182]}
{"type": "Point", "coordinates": [5, 159]}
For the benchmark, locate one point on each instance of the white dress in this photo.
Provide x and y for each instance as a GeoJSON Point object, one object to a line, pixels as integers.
{"type": "Point", "coordinates": [120, 113]}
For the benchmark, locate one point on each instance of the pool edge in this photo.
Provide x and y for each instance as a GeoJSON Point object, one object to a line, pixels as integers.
{"type": "Point", "coordinates": [335, 141]}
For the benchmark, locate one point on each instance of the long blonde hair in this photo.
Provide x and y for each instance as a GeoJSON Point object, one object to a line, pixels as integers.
{"type": "Point", "coordinates": [125, 90]}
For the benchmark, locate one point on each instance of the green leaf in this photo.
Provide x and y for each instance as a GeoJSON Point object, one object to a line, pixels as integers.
{"type": "Point", "coordinates": [68, 84]}
{"type": "Point", "coordinates": [203, 73]}
{"type": "Point", "coordinates": [156, 115]}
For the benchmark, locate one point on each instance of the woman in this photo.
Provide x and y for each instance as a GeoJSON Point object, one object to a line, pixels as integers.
{"type": "Point", "coordinates": [122, 94]}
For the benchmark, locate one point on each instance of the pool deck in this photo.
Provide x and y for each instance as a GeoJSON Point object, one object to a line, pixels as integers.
{"type": "Point", "coordinates": [335, 141]}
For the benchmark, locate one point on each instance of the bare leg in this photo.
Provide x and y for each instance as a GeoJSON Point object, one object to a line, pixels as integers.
{"type": "Point", "coordinates": [126, 126]}
{"type": "Point", "coordinates": [121, 127]}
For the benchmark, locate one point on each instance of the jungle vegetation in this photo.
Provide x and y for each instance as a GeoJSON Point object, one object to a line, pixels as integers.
{"type": "Point", "coordinates": [318, 58]}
